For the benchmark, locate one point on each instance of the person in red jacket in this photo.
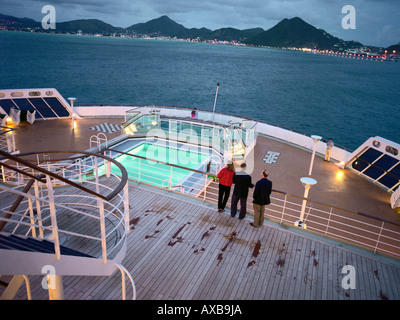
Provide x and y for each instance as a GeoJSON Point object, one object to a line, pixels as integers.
{"type": "Point", "coordinates": [225, 177]}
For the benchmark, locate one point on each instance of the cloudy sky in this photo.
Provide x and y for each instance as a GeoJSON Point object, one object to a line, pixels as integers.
{"type": "Point", "coordinates": [377, 21]}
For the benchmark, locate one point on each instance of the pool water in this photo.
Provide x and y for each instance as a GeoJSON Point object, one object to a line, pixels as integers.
{"type": "Point", "coordinates": [159, 174]}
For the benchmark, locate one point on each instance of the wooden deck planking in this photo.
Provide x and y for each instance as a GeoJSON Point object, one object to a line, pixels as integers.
{"type": "Point", "coordinates": [206, 263]}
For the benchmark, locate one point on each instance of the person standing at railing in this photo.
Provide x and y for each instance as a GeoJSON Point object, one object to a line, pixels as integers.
{"type": "Point", "coordinates": [225, 177]}
{"type": "Point", "coordinates": [242, 182]}
{"type": "Point", "coordinates": [194, 113]}
{"type": "Point", "coordinates": [261, 198]}
{"type": "Point", "coordinates": [329, 146]}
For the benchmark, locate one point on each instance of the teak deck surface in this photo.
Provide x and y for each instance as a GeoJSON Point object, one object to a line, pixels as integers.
{"type": "Point", "coordinates": [183, 249]}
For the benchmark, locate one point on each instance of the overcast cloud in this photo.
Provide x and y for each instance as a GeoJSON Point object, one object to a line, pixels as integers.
{"type": "Point", "coordinates": [377, 21]}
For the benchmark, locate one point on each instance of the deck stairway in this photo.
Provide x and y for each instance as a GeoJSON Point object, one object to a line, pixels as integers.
{"type": "Point", "coordinates": [55, 226]}
{"type": "Point", "coordinates": [14, 242]}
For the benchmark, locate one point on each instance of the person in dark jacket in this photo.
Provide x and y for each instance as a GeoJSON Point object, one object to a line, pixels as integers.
{"type": "Point", "coordinates": [240, 192]}
{"type": "Point", "coordinates": [261, 198]}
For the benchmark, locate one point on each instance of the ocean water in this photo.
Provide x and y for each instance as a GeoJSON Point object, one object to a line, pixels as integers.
{"type": "Point", "coordinates": [349, 100]}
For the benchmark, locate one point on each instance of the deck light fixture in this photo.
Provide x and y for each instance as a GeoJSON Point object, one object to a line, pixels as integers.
{"type": "Point", "coordinates": [315, 139]}
{"type": "Point", "coordinates": [215, 102]}
{"type": "Point", "coordinates": [308, 183]}
{"type": "Point", "coordinates": [72, 100]}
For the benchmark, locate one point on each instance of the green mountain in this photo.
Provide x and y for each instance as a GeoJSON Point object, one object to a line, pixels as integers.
{"type": "Point", "coordinates": [92, 26]}
{"type": "Point", "coordinates": [288, 33]}
{"type": "Point", "coordinates": [164, 26]}
{"type": "Point", "coordinates": [296, 32]}
{"type": "Point", "coordinates": [231, 34]}
{"type": "Point", "coordinates": [13, 23]}
{"type": "Point", "coordinates": [390, 49]}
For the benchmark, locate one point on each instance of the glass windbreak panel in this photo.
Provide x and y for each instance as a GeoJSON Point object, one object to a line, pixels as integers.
{"type": "Point", "coordinates": [7, 104]}
{"type": "Point", "coordinates": [374, 172]}
{"type": "Point", "coordinates": [391, 178]}
{"type": "Point", "coordinates": [146, 120]}
{"type": "Point", "coordinates": [197, 129]}
{"type": "Point", "coordinates": [173, 127]}
{"type": "Point", "coordinates": [386, 162]}
{"type": "Point", "coordinates": [165, 125]}
{"type": "Point", "coordinates": [186, 127]}
{"type": "Point", "coordinates": [206, 132]}
{"type": "Point", "coordinates": [366, 159]}
{"type": "Point", "coordinates": [24, 104]}
{"type": "Point", "coordinates": [57, 107]}
{"type": "Point", "coordinates": [388, 181]}
{"type": "Point", "coordinates": [42, 108]}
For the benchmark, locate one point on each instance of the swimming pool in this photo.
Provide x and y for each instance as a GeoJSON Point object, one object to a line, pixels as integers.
{"type": "Point", "coordinates": [140, 166]}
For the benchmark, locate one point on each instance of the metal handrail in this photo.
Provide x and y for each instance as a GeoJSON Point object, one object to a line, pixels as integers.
{"type": "Point", "coordinates": [46, 203]}
{"type": "Point", "coordinates": [325, 222]}
{"type": "Point", "coordinates": [158, 161]}
{"type": "Point", "coordinates": [123, 271]}
{"type": "Point", "coordinates": [336, 207]}
{"type": "Point", "coordinates": [384, 239]}
{"type": "Point", "coordinates": [112, 194]}
{"type": "Point", "coordinates": [274, 190]}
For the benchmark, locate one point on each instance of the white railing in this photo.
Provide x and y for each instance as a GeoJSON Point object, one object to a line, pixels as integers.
{"type": "Point", "coordinates": [42, 213]}
{"type": "Point", "coordinates": [124, 272]}
{"type": "Point", "coordinates": [7, 139]}
{"type": "Point", "coordinates": [94, 218]}
{"type": "Point", "coordinates": [166, 175]}
{"type": "Point", "coordinates": [358, 229]}
{"type": "Point", "coordinates": [97, 140]}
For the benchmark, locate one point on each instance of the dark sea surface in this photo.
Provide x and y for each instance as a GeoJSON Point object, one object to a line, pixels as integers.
{"type": "Point", "coordinates": [347, 99]}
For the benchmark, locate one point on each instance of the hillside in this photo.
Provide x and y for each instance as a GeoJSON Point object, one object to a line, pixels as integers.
{"type": "Point", "coordinates": [164, 26]}
{"type": "Point", "coordinates": [296, 32]}
{"type": "Point", "coordinates": [13, 23]}
{"type": "Point", "coordinates": [395, 48]}
{"type": "Point", "coordinates": [92, 26]}
{"type": "Point", "coordinates": [231, 34]}
{"type": "Point", "coordinates": [287, 33]}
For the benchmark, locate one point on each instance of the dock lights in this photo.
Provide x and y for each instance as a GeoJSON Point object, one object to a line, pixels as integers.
{"type": "Point", "coordinates": [307, 183]}
{"type": "Point", "coordinates": [315, 139]}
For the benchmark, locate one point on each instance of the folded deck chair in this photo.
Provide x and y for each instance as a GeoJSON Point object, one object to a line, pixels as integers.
{"type": "Point", "coordinates": [31, 116]}
{"type": "Point", "coordinates": [15, 115]}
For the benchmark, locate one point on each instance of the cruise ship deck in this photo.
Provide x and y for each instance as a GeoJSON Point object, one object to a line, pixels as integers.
{"type": "Point", "coordinates": [342, 188]}
{"type": "Point", "coordinates": [197, 253]}
{"type": "Point", "coordinates": [182, 249]}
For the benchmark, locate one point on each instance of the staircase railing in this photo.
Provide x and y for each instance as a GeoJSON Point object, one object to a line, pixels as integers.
{"type": "Point", "coordinates": [7, 139]}
{"type": "Point", "coordinates": [359, 229]}
{"type": "Point", "coordinates": [124, 272]}
{"type": "Point", "coordinates": [92, 198]}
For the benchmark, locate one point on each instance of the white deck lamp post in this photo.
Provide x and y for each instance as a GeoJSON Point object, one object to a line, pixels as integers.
{"type": "Point", "coordinates": [315, 139]}
{"type": "Point", "coordinates": [215, 101]}
{"type": "Point", "coordinates": [308, 183]}
{"type": "Point", "coordinates": [71, 101]}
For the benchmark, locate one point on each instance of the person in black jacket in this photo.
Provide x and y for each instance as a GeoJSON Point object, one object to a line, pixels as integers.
{"type": "Point", "coordinates": [242, 183]}
{"type": "Point", "coordinates": [261, 198]}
